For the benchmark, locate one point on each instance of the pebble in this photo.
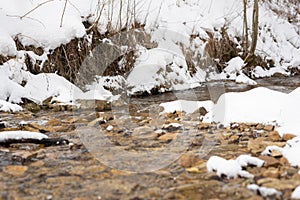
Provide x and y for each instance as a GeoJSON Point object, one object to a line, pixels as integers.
{"type": "Point", "coordinates": [15, 170]}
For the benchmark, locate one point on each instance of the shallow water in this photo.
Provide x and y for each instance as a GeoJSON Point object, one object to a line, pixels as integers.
{"type": "Point", "coordinates": [69, 172]}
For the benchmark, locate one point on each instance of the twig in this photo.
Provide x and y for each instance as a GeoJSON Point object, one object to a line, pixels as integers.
{"type": "Point", "coordinates": [62, 15]}
{"type": "Point", "coordinates": [35, 8]}
{"type": "Point", "coordinates": [97, 19]}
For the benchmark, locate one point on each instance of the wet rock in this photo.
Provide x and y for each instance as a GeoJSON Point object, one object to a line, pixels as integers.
{"type": "Point", "coordinates": [98, 105]}
{"type": "Point", "coordinates": [193, 170]}
{"type": "Point", "coordinates": [15, 170]}
{"type": "Point", "coordinates": [38, 164]}
{"type": "Point", "coordinates": [24, 155]}
{"type": "Point", "coordinates": [189, 160]}
{"type": "Point", "coordinates": [167, 137]}
{"type": "Point", "coordinates": [54, 122]}
{"type": "Point", "coordinates": [97, 122]}
{"type": "Point", "coordinates": [204, 126]}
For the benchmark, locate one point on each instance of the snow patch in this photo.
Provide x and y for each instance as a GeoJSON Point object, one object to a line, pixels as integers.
{"type": "Point", "coordinates": [232, 168]}
{"type": "Point", "coordinates": [17, 135]}
{"type": "Point", "coordinates": [263, 191]}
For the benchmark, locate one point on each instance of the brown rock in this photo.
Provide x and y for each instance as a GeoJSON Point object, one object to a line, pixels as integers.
{"type": "Point", "coordinates": [268, 128]}
{"type": "Point", "coordinates": [276, 154]}
{"type": "Point", "coordinates": [288, 136]}
{"type": "Point", "coordinates": [270, 161]}
{"type": "Point", "coordinates": [271, 172]}
{"type": "Point", "coordinates": [274, 136]}
{"type": "Point", "coordinates": [188, 160]}
{"type": "Point", "coordinates": [259, 126]}
{"type": "Point", "coordinates": [258, 145]}
{"type": "Point", "coordinates": [15, 170]}
{"type": "Point", "coordinates": [204, 126]}
{"type": "Point", "coordinates": [193, 170]}
{"type": "Point", "coordinates": [38, 163]}
{"type": "Point", "coordinates": [167, 136]}
{"type": "Point", "coordinates": [54, 122]}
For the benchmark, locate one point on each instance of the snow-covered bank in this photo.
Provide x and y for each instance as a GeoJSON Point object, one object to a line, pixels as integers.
{"type": "Point", "coordinates": [170, 25]}
{"type": "Point", "coordinates": [259, 105]}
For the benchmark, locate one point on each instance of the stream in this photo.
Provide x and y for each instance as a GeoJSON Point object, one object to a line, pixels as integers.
{"type": "Point", "coordinates": [73, 171]}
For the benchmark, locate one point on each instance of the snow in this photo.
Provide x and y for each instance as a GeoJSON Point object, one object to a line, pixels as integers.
{"type": "Point", "coordinates": [245, 160]}
{"type": "Point", "coordinates": [290, 151]}
{"type": "Point", "coordinates": [170, 24]}
{"type": "Point", "coordinates": [109, 128]}
{"type": "Point", "coordinates": [232, 168]}
{"type": "Point", "coordinates": [185, 105]}
{"type": "Point", "coordinates": [9, 107]}
{"type": "Point", "coordinates": [234, 65]}
{"type": "Point", "coordinates": [259, 105]}
{"type": "Point", "coordinates": [263, 191]}
{"type": "Point", "coordinates": [10, 135]}
{"type": "Point", "coordinates": [296, 193]}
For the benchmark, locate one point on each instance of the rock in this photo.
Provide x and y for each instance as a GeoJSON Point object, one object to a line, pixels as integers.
{"type": "Point", "coordinates": [276, 154]}
{"type": "Point", "coordinates": [98, 105]}
{"type": "Point", "coordinates": [54, 122]}
{"type": "Point", "coordinates": [47, 101]}
{"type": "Point", "coordinates": [35, 127]}
{"type": "Point", "coordinates": [259, 126]}
{"type": "Point", "coordinates": [15, 170]}
{"type": "Point", "coordinates": [97, 122]}
{"type": "Point", "coordinates": [234, 139]}
{"type": "Point", "coordinates": [288, 136]}
{"type": "Point", "coordinates": [274, 136]}
{"type": "Point", "coordinates": [271, 172]}
{"type": "Point", "coordinates": [268, 128]}
{"type": "Point", "coordinates": [204, 126]}
{"type": "Point", "coordinates": [31, 106]}
{"type": "Point", "coordinates": [189, 160]}
{"type": "Point", "coordinates": [258, 145]}
{"type": "Point", "coordinates": [202, 111]}
{"type": "Point", "coordinates": [193, 170]}
{"type": "Point", "coordinates": [24, 155]}
{"type": "Point", "coordinates": [167, 137]}
{"type": "Point", "coordinates": [270, 161]}
{"type": "Point", "coordinates": [38, 164]}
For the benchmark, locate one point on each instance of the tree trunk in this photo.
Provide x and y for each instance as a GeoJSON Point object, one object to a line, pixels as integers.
{"type": "Point", "coordinates": [254, 35]}
{"type": "Point", "coordinates": [245, 30]}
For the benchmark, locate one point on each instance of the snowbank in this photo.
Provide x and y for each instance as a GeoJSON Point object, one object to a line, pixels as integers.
{"type": "Point", "coordinates": [259, 105]}
{"type": "Point", "coordinates": [16, 135]}
{"type": "Point", "coordinates": [186, 106]}
{"type": "Point", "coordinates": [169, 24]}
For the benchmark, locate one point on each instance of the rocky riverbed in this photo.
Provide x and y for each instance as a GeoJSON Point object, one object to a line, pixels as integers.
{"type": "Point", "coordinates": [70, 171]}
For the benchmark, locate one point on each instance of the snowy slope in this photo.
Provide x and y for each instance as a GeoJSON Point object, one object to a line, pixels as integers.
{"type": "Point", "coordinates": [48, 24]}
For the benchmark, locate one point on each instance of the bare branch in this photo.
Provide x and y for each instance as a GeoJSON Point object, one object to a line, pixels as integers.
{"type": "Point", "coordinates": [62, 15]}
{"type": "Point", "coordinates": [35, 8]}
